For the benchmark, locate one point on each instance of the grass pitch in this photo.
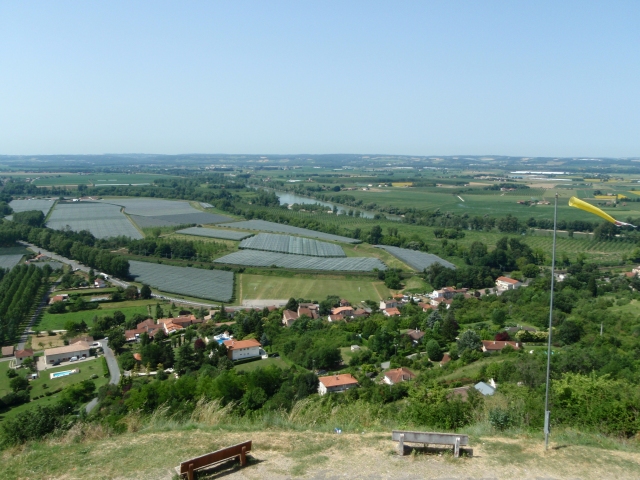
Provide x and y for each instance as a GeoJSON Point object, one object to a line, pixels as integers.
{"type": "Point", "coordinates": [354, 289]}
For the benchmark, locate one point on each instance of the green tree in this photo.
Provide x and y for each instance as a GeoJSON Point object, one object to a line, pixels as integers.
{"type": "Point", "coordinates": [18, 383]}
{"type": "Point", "coordinates": [434, 352]}
{"type": "Point", "coordinates": [469, 340]}
{"type": "Point", "coordinates": [292, 305]}
{"type": "Point", "coordinates": [145, 292]}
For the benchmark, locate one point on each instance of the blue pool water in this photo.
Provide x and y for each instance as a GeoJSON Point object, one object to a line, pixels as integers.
{"type": "Point", "coordinates": [61, 374]}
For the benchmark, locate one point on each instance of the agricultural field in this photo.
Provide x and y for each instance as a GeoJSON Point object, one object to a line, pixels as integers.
{"type": "Point", "coordinates": [254, 258]}
{"type": "Point", "coordinates": [153, 212]}
{"type": "Point", "coordinates": [194, 282]}
{"type": "Point", "coordinates": [215, 233]}
{"type": "Point", "coordinates": [313, 287]}
{"type": "Point", "coordinates": [261, 225]}
{"type": "Point", "coordinates": [98, 179]}
{"type": "Point", "coordinates": [101, 220]}
{"type": "Point", "coordinates": [10, 261]}
{"type": "Point", "coordinates": [293, 245]}
{"type": "Point", "coordinates": [415, 259]}
{"type": "Point", "coordinates": [57, 321]}
{"type": "Point", "coordinates": [34, 204]}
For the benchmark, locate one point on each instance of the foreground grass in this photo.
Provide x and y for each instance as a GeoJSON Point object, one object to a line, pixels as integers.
{"type": "Point", "coordinates": [89, 452]}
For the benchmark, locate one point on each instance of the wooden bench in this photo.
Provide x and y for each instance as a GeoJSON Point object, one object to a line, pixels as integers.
{"type": "Point", "coordinates": [204, 461]}
{"type": "Point", "coordinates": [455, 439]}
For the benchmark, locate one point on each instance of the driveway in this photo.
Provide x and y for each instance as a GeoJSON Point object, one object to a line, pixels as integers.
{"type": "Point", "coordinates": [114, 371]}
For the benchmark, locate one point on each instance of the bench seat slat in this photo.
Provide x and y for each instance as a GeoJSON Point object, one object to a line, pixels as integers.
{"type": "Point", "coordinates": [215, 457]}
{"type": "Point", "coordinates": [430, 437]}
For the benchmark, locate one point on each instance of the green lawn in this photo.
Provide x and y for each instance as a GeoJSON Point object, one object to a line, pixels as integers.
{"type": "Point", "coordinates": [347, 353]}
{"type": "Point", "coordinates": [44, 383]}
{"type": "Point", "coordinates": [354, 289]}
{"type": "Point", "coordinates": [248, 367]}
{"type": "Point", "coordinates": [50, 321]}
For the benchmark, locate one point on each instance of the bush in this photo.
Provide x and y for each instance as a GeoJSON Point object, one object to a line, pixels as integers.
{"type": "Point", "coordinates": [500, 419]}
{"type": "Point", "coordinates": [434, 352]}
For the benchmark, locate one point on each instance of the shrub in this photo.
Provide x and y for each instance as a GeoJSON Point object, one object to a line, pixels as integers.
{"type": "Point", "coordinates": [500, 419]}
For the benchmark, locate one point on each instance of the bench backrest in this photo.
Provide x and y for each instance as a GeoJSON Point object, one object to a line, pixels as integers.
{"type": "Point", "coordinates": [430, 437]}
{"type": "Point", "coordinates": [214, 457]}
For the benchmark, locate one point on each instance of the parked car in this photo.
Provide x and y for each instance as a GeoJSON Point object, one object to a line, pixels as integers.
{"type": "Point", "coordinates": [73, 359]}
{"type": "Point", "coordinates": [96, 345]}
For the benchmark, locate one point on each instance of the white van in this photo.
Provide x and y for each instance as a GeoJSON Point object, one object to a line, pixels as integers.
{"type": "Point", "coordinates": [73, 359]}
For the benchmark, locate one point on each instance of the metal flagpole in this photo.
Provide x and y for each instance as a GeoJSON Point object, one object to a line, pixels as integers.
{"type": "Point", "coordinates": [547, 413]}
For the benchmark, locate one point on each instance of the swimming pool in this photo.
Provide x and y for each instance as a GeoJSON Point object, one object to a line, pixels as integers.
{"type": "Point", "coordinates": [62, 374]}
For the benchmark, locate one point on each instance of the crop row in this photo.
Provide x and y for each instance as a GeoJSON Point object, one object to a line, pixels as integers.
{"type": "Point", "coordinates": [254, 258]}
{"type": "Point", "coordinates": [415, 259]}
{"type": "Point", "coordinates": [262, 225]}
{"type": "Point", "coordinates": [194, 282]}
{"type": "Point", "coordinates": [215, 233]}
{"type": "Point", "coordinates": [294, 245]}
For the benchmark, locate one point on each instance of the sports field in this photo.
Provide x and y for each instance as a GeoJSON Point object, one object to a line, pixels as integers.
{"type": "Point", "coordinates": [355, 289]}
{"type": "Point", "coordinates": [98, 179]}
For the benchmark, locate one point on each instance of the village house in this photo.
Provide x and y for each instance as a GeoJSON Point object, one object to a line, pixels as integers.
{"type": "Point", "coordinates": [447, 293]}
{"type": "Point", "coordinates": [64, 354]}
{"type": "Point", "coordinates": [388, 304]}
{"type": "Point", "coordinates": [435, 302]}
{"type": "Point", "coordinates": [415, 335]}
{"type": "Point", "coordinates": [310, 310]}
{"type": "Point", "coordinates": [506, 283]}
{"type": "Point", "coordinates": [336, 383]}
{"type": "Point", "coordinates": [335, 318]}
{"type": "Point", "coordinates": [391, 312]}
{"type": "Point", "coordinates": [426, 306]}
{"type": "Point", "coordinates": [288, 317]}
{"type": "Point", "coordinates": [99, 283]}
{"type": "Point", "coordinates": [241, 349]}
{"type": "Point", "coordinates": [344, 311]}
{"type": "Point", "coordinates": [148, 326]}
{"type": "Point", "coordinates": [22, 355]}
{"type": "Point", "coordinates": [398, 375]}
{"type": "Point", "coordinates": [58, 298]}
{"type": "Point", "coordinates": [344, 303]}
{"type": "Point", "coordinates": [497, 345]}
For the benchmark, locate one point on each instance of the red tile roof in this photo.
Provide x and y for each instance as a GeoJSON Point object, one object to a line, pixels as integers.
{"type": "Point", "coordinates": [236, 344]}
{"type": "Point", "coordinates": [401, 374]}
{"type": "Point", "coordinates": [27, 352]}
{"type": "Point", "coordinates": [338, 380]}
{"type": "Point", "coordinates": [507, 280]}
{"type": "Point", "coordinates": [499, 344]}
{"type": "Point", "coordinates": [391, 311]}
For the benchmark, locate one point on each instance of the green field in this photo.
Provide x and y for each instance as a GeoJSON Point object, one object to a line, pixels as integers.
{"type": "Point", "coordinates": [43, 384]}
{"type": "Point", "coordinates": [354, 289]}
{"type": "Point", "coordinates": [50, 321]}
{"type": "Point", "coordinates": [47, 180]}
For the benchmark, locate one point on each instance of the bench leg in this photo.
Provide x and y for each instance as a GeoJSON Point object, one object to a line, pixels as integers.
{"type": "Point", "coordinates": [190, 472]}
{"type": "Point", "coordinates": [243, 456]}
{"type": "Point", "coordinates": [401, 445]}
{"type": "Point", "coordinates": [456, 448]}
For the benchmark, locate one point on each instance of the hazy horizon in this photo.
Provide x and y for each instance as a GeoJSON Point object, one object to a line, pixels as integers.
{"type": "Point", "coordinates": [533, 79]}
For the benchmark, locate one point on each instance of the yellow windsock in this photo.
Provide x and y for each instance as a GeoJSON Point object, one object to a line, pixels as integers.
{"type": "Point", "coordinates": [587, 207]}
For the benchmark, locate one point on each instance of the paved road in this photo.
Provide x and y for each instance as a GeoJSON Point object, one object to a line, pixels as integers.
{"type": "Point", "coordinates": [114, 371]}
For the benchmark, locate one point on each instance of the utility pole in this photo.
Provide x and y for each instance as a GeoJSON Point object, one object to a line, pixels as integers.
{"type": "Point", "coordinates": [547, 413]}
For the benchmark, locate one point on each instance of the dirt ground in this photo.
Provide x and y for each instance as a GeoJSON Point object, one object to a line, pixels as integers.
{"type": "Point", "coordinates": [280, 455]}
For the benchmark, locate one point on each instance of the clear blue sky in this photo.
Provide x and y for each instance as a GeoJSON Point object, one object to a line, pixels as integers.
{"type": "Point", "coordinates": [534, 78]}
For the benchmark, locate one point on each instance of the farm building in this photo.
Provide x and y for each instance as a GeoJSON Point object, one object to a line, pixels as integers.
{"type": "Point", "coordinates": [63, 354]}
{"type": "Point", "coordinates": [506, 283]}
{"type": "Point", "coordinates": [239, 350]}
{"type": "Point", "coordinates": [398, 375]}
{"type": "Point", "coordinates": [336, 383]}
{"type": "Point", "coordinates": [22, 355]}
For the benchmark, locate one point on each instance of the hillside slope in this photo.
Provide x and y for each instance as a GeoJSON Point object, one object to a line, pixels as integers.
{"type": "Point", "coordinates": [281, 454]}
